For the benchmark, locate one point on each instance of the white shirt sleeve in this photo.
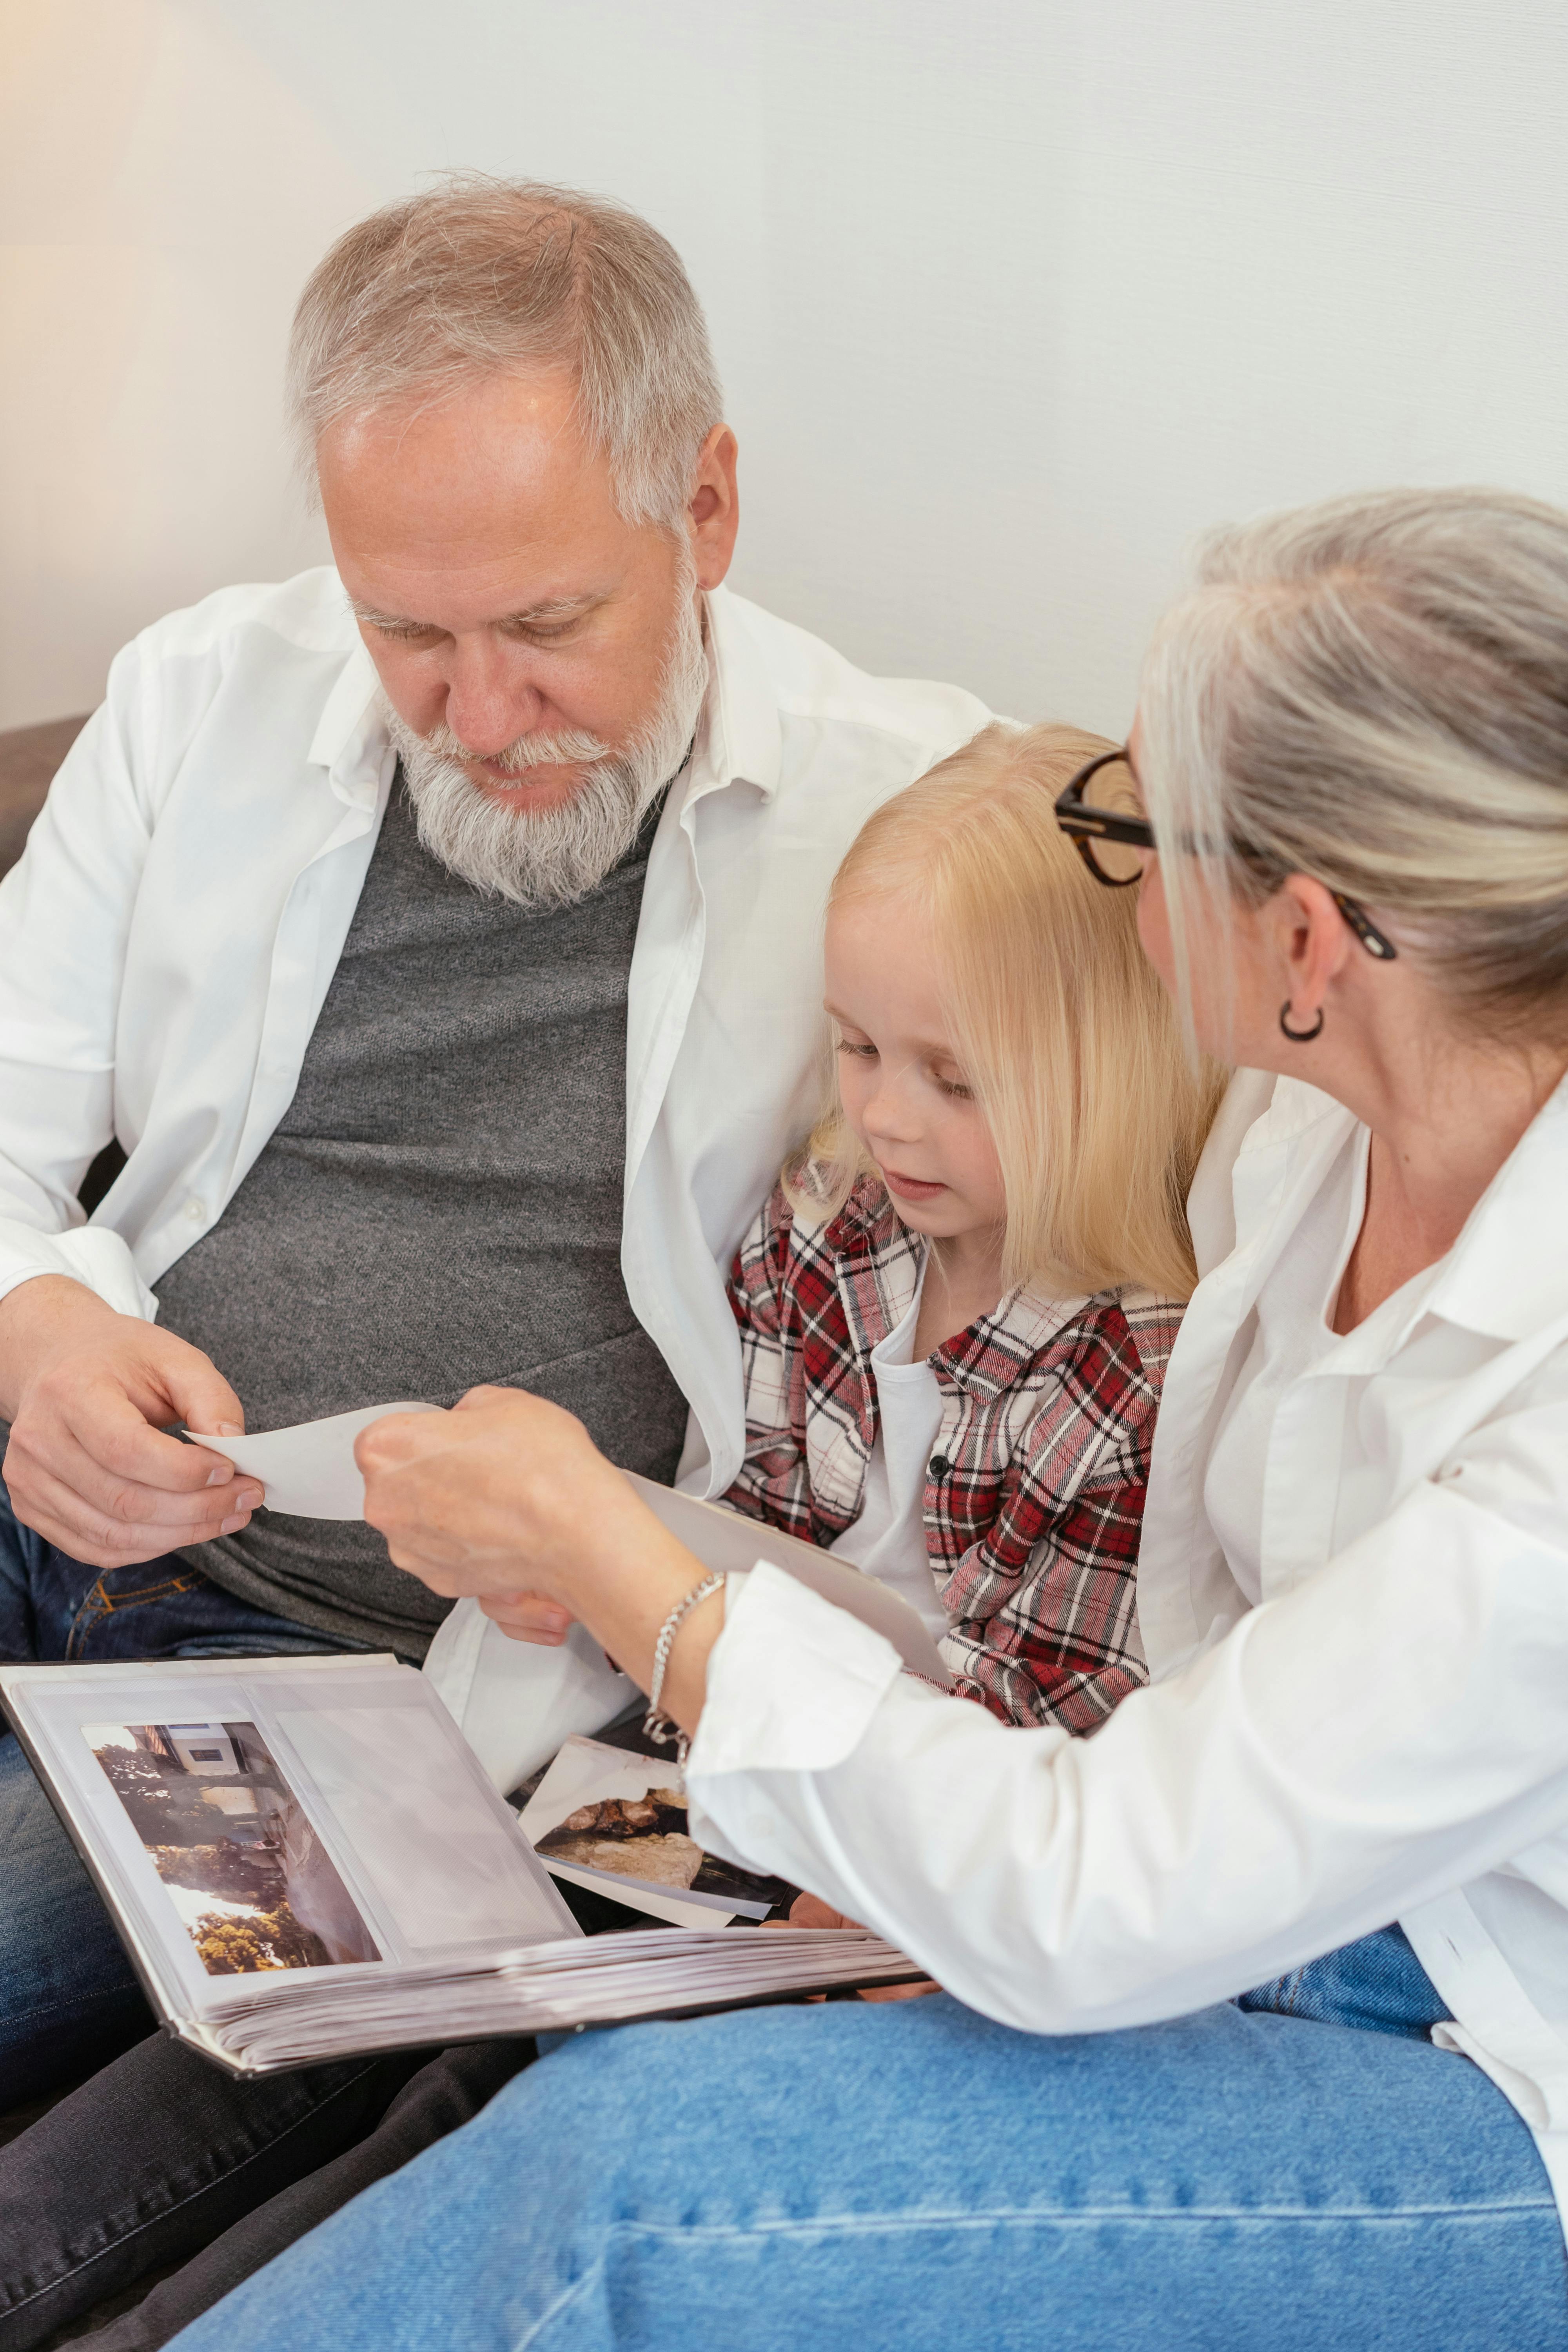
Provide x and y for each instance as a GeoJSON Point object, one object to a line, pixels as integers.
{"type": "Point", "coordinates": [65, 914]}
{"type": "Point", "coordinates": [1386, 1731]}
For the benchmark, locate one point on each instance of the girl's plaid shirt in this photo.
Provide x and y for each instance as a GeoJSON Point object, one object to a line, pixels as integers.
{"type": "Point", "coordinates": [1033, 1498]}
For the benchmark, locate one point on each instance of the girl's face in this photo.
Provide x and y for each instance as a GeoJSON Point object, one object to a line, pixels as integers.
{"type": "Point", "coordinates": [899, 1081]}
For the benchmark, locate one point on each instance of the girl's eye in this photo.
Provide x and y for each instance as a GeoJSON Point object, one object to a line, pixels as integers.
{"type": "Point", "coordinates": [955, 1087]}
{"type": "Point", "coordinates": [863, 1053]}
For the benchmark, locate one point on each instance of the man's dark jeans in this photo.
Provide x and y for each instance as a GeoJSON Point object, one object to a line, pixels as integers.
{"type": "Point", "coordinates": [160, 2157]}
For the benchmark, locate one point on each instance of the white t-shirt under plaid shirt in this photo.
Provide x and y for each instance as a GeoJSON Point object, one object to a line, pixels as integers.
{"type": "Point", "coordinates": [888, 1538]}
{"type": "Point", "coordinates": [1033, 1490]}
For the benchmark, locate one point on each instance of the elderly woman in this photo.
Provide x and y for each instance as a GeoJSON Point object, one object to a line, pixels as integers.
{"type": "Point", "coordinates": [1346, 800]}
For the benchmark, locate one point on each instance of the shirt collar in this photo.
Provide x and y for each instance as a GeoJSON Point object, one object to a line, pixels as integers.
{"type": "Point", "coordinates": [351, 739]}
{"type": "Point", "coordinates": [1507, 1275]}
{"type": "Point", "coordinates": [739, 738]}
{"type": "Point", "coordinates": [995, 1353]}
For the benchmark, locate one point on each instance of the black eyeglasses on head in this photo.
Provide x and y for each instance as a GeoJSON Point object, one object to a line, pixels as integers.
{"type": "Point", "coordinates": [1113, 836]}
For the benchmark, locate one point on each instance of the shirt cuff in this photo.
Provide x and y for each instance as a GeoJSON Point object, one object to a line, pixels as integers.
{"type": "Point", "coordinates": [91, 1254]}
{"type": "Point", "coordinates": [793, 1682]}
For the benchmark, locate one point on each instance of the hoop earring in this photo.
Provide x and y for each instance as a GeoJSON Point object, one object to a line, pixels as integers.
{"type": "Point", "coordinates": [1300, 1036]}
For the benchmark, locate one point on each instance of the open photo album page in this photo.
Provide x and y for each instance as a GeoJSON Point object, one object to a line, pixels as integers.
{"type": "Point", "coordinates": [271, 1819]}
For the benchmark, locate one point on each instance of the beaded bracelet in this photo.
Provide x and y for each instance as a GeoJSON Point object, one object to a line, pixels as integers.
{"type": "Point", "coordinates": [655, 1725]}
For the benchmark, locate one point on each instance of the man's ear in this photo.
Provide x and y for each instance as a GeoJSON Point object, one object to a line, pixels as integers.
{"type": "Point", "coordinates": [714, 512]}
{"type": "Point", "coordinates": [1312, 941]}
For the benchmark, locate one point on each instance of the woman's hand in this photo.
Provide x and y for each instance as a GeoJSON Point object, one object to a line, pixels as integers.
{"type": "Point", "coordinates": [811, 1911]}
{"type": "Point", "coordinates": [509, 1499]}
{"type": "Point", "coordinates": [528, 1617]}
{"type": "Point", "coordinates": [500, 1497]}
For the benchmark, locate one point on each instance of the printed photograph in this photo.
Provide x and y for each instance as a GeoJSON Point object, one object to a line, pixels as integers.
{"type": "Point", "coordinates": [641, 1837]}
{"type": "Point", "coordinates": [245, 1869]}
{"type": "Point", "coordinates": [598, 1808]}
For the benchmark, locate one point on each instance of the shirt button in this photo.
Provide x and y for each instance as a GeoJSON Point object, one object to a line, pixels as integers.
{"type": "Point", "coordinates": [940, 1466]}
{"type": "Point", "coordinates": [197, 1211]}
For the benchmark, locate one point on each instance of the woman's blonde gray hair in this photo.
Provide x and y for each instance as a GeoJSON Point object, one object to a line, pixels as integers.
{"type": "Point", "coordinates": [1374, 692]}
{"type": "Point", "coordinates": [1071, 1044]}
{"type": "Point", "coordinates": [477, 276]}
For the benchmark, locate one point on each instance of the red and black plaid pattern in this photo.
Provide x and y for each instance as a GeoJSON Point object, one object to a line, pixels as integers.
{"type": "Point", "coordinates": [1034, 1499]}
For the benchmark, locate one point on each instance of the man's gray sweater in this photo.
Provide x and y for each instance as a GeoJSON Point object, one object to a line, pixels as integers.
{"type": "Point", "coordinates": [440, 1206]}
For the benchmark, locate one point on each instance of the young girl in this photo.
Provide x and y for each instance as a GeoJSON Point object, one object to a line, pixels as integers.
{"type": "Point", "coordinates": [957, 1307]}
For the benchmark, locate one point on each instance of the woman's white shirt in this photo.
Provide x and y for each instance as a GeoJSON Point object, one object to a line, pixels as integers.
{"type": "Point", "coordinates": [1360, 1655]}
{"type": "Point", "coordinates": [888, 1538]}
{"type": "Point", "coordinates": [1294, 1340]}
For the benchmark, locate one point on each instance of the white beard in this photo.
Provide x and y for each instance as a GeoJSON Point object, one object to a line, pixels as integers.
{"type": "Point", "coordinates": [557, 856]}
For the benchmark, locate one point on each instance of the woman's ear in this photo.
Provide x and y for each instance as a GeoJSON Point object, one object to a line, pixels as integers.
{"type": "Point", "coordinates": [1311, 941]}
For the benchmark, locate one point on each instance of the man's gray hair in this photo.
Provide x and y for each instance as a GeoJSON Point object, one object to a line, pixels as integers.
{"type": "Point", "coordinates": [479, 277]}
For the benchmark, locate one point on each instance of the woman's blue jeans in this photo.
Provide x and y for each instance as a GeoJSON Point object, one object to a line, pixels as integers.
{"type": "Point", "coordinates": [909, 2177]}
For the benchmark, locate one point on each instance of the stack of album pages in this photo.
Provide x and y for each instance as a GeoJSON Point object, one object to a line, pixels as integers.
{"type": "Point", "coordinates": [304, 1861]}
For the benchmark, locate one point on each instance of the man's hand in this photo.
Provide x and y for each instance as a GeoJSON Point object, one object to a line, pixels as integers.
{"type": "Point", "coordinates": [528, 1617]}
{"type": "Point", "coordinates": [88, 1392]}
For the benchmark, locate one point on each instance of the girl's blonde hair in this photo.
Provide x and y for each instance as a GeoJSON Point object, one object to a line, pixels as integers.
{"type": "Point", "coordinates": [1060, 1024]}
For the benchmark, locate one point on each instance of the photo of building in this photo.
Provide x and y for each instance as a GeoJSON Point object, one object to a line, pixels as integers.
{"type": "Point", "coordinates": [239, 1855]}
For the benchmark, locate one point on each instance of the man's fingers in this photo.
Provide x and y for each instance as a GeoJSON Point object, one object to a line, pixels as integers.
{"type": "Point", "coordinates": [105, 1503]}
{"type": "Point", "coordinates": [59, 1514]}
{"type": "Point", "coordinates": [189, 1516]}
{"type": "Point", "coordinates": [110, 1431]}
{"type": "Point", "coordinates": [52, 1511]}
{"type": "Point", "coordinates": [200, 1395]}
{"type": "Point", "coordinates": [88, 1463]}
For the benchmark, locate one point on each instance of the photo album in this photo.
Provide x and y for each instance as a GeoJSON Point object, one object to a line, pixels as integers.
{"type": "Point", "coordinates": [305, 1860]}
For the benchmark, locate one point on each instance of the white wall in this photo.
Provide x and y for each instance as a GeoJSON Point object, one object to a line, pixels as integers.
{"type": "Point", "coordinates": [1011, 299]}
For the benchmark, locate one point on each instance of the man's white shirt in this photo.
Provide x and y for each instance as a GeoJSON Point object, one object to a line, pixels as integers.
{"type": "Point", "coordinates": [168, 939]}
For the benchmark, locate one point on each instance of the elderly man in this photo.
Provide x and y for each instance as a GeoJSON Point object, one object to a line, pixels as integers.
{"type": "Point", "coordinates": [439, 936]}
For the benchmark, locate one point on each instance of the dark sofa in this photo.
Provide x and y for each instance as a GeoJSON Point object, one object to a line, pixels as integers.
{"type": "Point", "coordinates": [28, 758]}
